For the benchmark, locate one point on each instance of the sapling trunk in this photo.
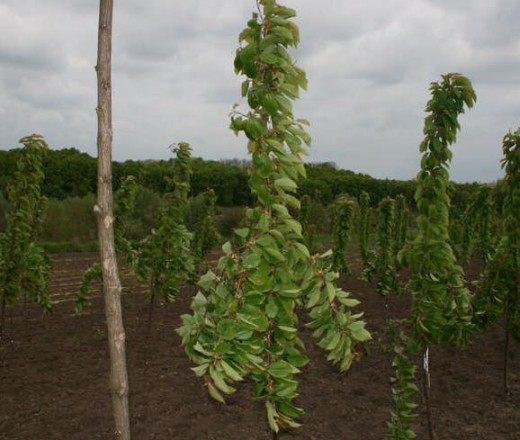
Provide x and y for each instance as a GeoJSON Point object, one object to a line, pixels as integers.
{"type": "Point", "coordinates": [105, 217]}
{"type": "Point", "coordinates": [441, 310]}
{"type": "Point", "coordinates": [427, 394]}
{"type": "Point", "coordinates": [506, 353]}
{"type": "Point", "coordinates": [151, 305]}
{"type": "Point", "coordinates": [25, 325]}
{"type": "Point", "coordinates": [2, 319]}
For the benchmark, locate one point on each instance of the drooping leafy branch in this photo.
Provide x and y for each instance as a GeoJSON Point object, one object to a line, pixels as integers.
{"type": "Point", "coordinates": [24, 266]}
{"type": "Point", "coordinates": [165, 258]}
{"type": "Point", "coordinates": [364, 226]}
{"type": "Point", "coordinates": [499, 292]}
{"type": "Point", "coordinates": [246, 323]}
{"type": "Point", "coordinates": [441, 309]}
{"type": "Point", "coordinates": [82, 297]}
{"type": "Point", "coordinates": [381, 260]}
{"type": "Point", "coordinates": [332, 322]}
{"type": "Point", "coordinates": [344, 209]}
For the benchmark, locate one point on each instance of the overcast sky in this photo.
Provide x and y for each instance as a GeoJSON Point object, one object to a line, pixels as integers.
{"type": "Point", "coordinates": [369, 65]}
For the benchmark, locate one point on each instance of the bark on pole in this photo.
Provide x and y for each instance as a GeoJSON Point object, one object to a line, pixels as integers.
{"type": "Point", "coordinates": [105, 219]}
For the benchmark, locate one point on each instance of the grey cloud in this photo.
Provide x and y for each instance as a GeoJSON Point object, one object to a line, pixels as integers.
{"type": "Point", "coordinates": [369, 66]}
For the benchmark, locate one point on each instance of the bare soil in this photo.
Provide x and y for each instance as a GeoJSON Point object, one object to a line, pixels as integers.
{"type": "Point", "coordinates": [54, 377]}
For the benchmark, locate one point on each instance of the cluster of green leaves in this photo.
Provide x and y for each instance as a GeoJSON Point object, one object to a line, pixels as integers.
{"type": "Point", "coordinates": [498, 293]}
{"type": "Point", "coordinates": [478, 223]}
{"type": "Point", "coordinates": [24, 266]}
{"type": "Point", "coordinates": [82, 298]}
{"type": "Point", "coordinates": [381, 260]}
{"type": "Point", "coordinates": [344, 209]}
{"type": "Point", "coordinates": [338, 330]}
{"type": "Point", "coordinates": [206, 235]}
{"type": "Point", "coordinates": [401, 222]}
{"type": "Point", "coordinates": [246, 322]}
{"type": "Point", "coordinates": [364, 225]}
{"type": "Point", "coordinates": [441, 308]}
{"type": "Point", "coordinates": [164, 257]}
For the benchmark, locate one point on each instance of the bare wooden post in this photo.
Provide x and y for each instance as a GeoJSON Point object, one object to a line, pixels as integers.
{"type": "Point", "coordinates": [105, 219]}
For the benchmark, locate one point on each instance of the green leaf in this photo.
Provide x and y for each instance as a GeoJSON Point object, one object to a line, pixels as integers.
{"type": "Point", "coordinates": [198, 347]}
{"type": "Point", "coordinates": [252, 261]}
{"type": "Point", "coordinates": [227, 248]}
{"type": "Point", "coordinates": [231, 372]}
{"type": "Point", "coordinates": [269, 57]}
{"type": "Point", "coordinates": [242, 232]}
{"type": "Point", "coordinates": [214, 393]}
{"type": "Point", "coordinates": [271, 308]}
{"type": "Point", "coordinates": [349, 302]}
{"type": "Point", "coordinates": [201, 370]}
{"type": "Point", "coordinates": [331, 290]}
{"type": "Point", "coordinates": [294, 225]}
{"type": "Point", "coordinates": [287, 329]}
{"type": "Point", "coordinates": [281, 369]}
{"type": "Point", "coordinates": [358, 331]}
{"type": "Point", "coordinates": [303, 249]}
{"type": "Point", "coordinates": [271, 416]}
{"type": "Point", "coordinates": [314, 297]}
{"type": "Point", "coordinates": [275, 253]}
{"type": "Point", "coordinates": [285, 183]}
{"type": "Point", "coordinates": [207, 281]}
{"type": "Point", "coordinates": [227, 329]}
{"type": "Point", "coordinates": [290, 293]}
{"type": "Point", "coordinates": [219, 381]}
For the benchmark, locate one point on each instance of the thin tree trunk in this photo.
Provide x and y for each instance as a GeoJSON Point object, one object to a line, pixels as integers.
{"type": "Point", "coordinates": [151, 305]}
{"type": "Point", "coordinates": [2, 319]}
{"type": "Point", "coordinates": [25, 323]}
{"type": "Point", "coordinates": [427, 397]}
{"type": "Point", "coordinates": [105, 218]}
{"type": "Point", "coordinates": [506, 353]}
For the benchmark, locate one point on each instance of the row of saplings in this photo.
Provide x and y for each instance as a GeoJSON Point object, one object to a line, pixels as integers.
{"type": "Point", "coordinates": [244, 320]}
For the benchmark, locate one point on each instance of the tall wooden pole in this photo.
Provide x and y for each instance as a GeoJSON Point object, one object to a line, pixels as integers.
{"type": "Point", "coordinates": [105, 218]}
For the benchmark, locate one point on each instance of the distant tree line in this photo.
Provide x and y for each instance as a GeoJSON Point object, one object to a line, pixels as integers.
{"type": "Point", "coordinates": [71, 173]}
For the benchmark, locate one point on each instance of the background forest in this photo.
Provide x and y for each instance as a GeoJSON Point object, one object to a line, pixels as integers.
{"type": "Point", "coordinates": [70, 185]}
